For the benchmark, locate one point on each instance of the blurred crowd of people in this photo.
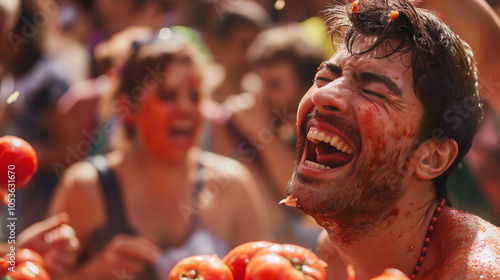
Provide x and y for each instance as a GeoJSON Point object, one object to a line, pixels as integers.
{"type": "Point", "coordinates": [160, 125]}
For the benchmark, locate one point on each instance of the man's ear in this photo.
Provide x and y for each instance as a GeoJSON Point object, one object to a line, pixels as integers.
{"type": "Point", "coordinates": [436, 158]}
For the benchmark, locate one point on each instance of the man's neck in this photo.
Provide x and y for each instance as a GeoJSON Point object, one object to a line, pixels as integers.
{"type": "Point", "coordinates": [394, 243]}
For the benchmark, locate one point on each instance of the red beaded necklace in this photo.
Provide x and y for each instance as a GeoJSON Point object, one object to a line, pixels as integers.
{"type": "Point", "coordinates": [427, 238]}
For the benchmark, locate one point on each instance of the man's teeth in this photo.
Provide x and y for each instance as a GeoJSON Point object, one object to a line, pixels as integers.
{"type": "Point", "coordinates": [316, 165]}
{"type": "Point", "coordinates": [315, 137]}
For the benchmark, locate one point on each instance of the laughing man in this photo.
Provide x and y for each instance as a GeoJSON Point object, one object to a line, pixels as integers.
{"type": "Point", "coordinates": [387, 120]}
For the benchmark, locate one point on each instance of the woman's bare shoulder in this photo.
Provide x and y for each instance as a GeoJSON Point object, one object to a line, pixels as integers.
{"type": "Point", "coordinates": [224, 168]}
{"type": "Point", "coordinates": [79, 179]}
{"type": "Point", "coordinates": [83, 176]}
{"type": "Point", "coordinates": [79, 195]}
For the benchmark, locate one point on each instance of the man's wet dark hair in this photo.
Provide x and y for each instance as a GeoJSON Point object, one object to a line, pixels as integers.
{"type": "Point", "coordinates": [444, 71]}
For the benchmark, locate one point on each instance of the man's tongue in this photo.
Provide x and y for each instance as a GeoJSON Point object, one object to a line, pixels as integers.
{"type": "Point", "coordinates": [330, 156]}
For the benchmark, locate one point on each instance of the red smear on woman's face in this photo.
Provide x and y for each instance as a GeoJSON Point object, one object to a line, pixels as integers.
{"type": "Point", "coordinates": [169, 118]}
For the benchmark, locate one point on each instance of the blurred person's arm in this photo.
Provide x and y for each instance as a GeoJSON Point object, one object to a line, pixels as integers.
{"type": "Point", "coordinates": [79, 195]}
{"type": "Point", "coordinates": [476, 23]}
{"type": "Point", "coordinates": [279, 159]}
{"type": "Point", "coordinates": [249, 211]}
{"type": "Point", "coordinates": [124, 255]}
{"type": "Point", "coordinates": [54, 239]}
{"type": "Point", "coordinates": [262, 127]}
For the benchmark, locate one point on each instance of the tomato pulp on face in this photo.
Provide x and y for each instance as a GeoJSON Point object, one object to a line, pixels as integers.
{"type": "Point", "coordinates": [169, 118]}
{"type": "Point", "coordinates": [356, 131]}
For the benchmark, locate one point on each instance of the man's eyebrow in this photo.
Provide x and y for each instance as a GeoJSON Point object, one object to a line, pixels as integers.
{"type": "Point", "coordinates": [368, 77]}
{"type": "Point", "coordinates": [332, 67]}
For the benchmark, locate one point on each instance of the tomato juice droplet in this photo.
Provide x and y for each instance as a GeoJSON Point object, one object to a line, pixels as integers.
{"type": "Point", "coordinates": [394, 15]}
{"type": "Point", "coordinates": [321, 66]}
{"type": "Point", "coordinates": [354, 7]}
{"type": "Point", "coordinates": [394, 212]}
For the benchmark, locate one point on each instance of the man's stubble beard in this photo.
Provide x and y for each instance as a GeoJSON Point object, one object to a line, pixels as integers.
{"type": "Point", "coordinates": [353, 205]}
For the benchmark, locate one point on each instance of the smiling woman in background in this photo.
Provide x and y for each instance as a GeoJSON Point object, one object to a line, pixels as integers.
{"type": "Point", "coordinates": [158, 198]}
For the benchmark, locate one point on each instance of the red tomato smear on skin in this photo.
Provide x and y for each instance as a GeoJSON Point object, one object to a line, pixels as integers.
{"type": "Point", "coordinates": [374, 143]}
{"type": "Point", "coordinates": [354, 7]}
{"type": "Point", "coordinates": [343, 237]}
{"type": "Point", "coordinates": [394, 15]}
{"type": "Point", "coordinates": [411, 248]}
{"type": "Point", "coordinates": [394, 212]}
{"type": "Point", "coordinates": [466, 264]}
{"type": "Point", "coordinates": [369, 121]}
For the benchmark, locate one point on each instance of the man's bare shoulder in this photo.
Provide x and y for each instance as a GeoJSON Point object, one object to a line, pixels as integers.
{"type": "Point", "coordinates": [470, 246]}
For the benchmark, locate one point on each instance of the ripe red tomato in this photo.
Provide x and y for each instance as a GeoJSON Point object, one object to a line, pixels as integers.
{"type": "Point", "coordinates": [285, 261]}
{"type": "Point", "coordinates": [391, 274]}
{"type": "Point", "coordinates": [18, 162]}
{"type": "Point", "coordinates": [4, 196]}
{"type": "Point", "coordinates": [4, 266]}
{"type": "Point", "coordinates": [238, 258]}
{"type": "Point", "coordinates": [25, 255]}
{"type": "Point", "coordinates": [272, 267]}
{"type": "Point", "coordinates": [28, 271]}
{"type": "Point", "coordinates": [201, 267]}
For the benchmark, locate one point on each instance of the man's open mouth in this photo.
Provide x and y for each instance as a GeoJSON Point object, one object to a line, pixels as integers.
{"type": "Point", "coordinates": [327, 150]}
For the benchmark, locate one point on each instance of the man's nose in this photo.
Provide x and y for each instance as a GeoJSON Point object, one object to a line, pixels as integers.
{"type": "Point", "coordinates": [333, 97]}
